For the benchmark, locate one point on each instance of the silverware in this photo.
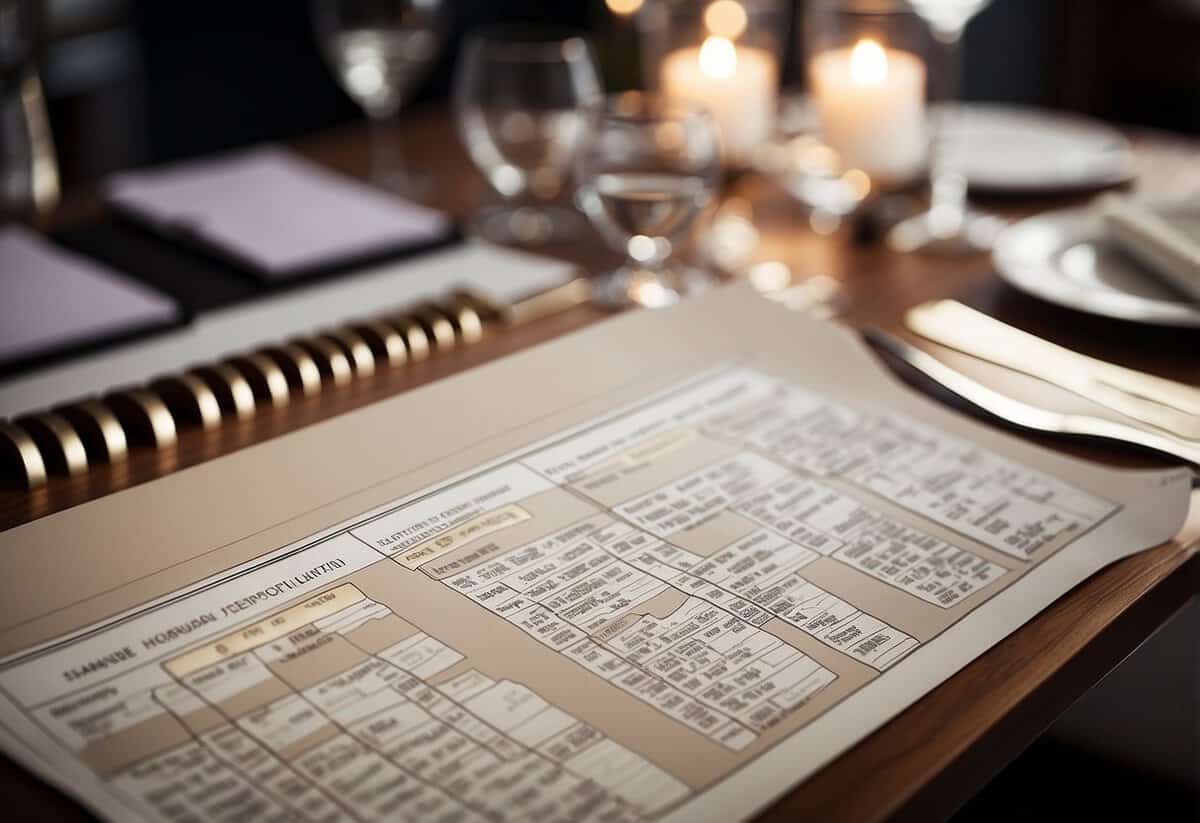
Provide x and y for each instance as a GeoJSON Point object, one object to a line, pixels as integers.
{"type": "Point", "coordinates": [1033, 418]}
{"type": "Point", "coordinates": [1173, 407]}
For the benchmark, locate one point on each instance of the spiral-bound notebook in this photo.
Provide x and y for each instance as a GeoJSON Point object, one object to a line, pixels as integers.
{"type": "Point", "coordinates": [663, 569]}
{"type": "Point", "coordinates": [228, 363]}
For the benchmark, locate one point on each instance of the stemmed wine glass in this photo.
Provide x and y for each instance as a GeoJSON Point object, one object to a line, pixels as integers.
{"type": "Point", "coordinates": [949, 226]}
{"type": "Point", "coordinates": [379, 50]}
{"type": "Point", "coordinates": [29, 185]}
{"type": "Point", "coordinates": [647, 168]}
{"type": "Point", "coordinates": [521, 97]}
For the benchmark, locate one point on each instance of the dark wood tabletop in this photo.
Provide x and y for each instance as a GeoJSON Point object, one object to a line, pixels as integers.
{"type": "Point", "coordinates": [943, 749]}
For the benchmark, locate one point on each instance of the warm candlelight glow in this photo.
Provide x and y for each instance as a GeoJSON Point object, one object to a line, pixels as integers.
{"type": "Point", "coordinates": [725, 18]}
{"type": "Point", "coordinates": [737, 83]}
{"type": "Point", "coordinates": [870, 102]}
{"type": "Point", "coordinates": [868, 63]}
{"type": "Point", "coordinates": [623, 7]}
{"type": "Point", "coordinates": [718, 58]}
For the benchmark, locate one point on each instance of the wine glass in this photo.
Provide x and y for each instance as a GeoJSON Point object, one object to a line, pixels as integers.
{"type": "Point", "coordinates": [379, 50]}
{"type": "Point", "coordinates": [29, 185]}
{"type": "Point", "coordinates": [521, 96]}
{"type": "Point", "coordinates": [949, 226]}
{"type": "Point", "coordinates": [647, 168]}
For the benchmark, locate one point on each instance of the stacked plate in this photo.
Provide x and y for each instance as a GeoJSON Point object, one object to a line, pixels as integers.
{"type": "Point", "coordinates": [1067, 257]}
{"type": "Point", "coordinates": [1018, 150]}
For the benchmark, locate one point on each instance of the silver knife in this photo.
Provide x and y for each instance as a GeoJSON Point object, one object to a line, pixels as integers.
{"type": "Point", "coordinates": [1025, 416]}
{"type": "Point", "coordinates": [1165, 404]}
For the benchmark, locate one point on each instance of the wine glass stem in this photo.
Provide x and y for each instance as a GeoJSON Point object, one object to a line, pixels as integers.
{"type": "Point", "coordinates": [387, 159]}
{"type": "Point", "coordinates": [948, 185]}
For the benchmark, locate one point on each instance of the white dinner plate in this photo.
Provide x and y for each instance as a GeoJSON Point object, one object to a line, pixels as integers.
{"type": "Point", "coordinates": [1063, 257]}
{"type": "Point", "coordinates": [1016, 149]}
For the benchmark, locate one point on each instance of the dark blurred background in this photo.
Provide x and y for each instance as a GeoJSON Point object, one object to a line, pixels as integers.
{"type": "Point", "coordinates": [131, 83]}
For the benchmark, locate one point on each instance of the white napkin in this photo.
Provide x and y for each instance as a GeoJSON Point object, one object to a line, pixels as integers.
{"type": "Point", "coordinates": [1165, 240]}
{"type": "Point", "coordinates": [51, 298]}
{"type": "Point", "coordinates": [274, 212]}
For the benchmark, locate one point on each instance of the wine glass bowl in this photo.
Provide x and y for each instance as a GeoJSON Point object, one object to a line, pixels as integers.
{"type": "Point", "coordinates": [378, 68]}
{"type": "Point", "coordinates": [647, 168]}
{"type": "Point", "coordinates": [947, 18]}
{"type": "Point", "coordinates": [521, 97]}
{"type": "Point", "coordinates": [379, 50]}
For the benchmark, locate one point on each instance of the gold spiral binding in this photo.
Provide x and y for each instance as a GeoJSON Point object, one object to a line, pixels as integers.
{"type": "Point", "coordinates": [466, 319]}
{"type": "Point", "coordinates": [355, 348]}
{"type": "Point", "coordinates": [62, 450]}
{"type": "Point", "coordinates": [90, 431]}
{"type": "Point", "coordinates": [298, 367]}
{"type": "Point", "coordinates": [415, 338]}
{"type": "Point", "coordinates": [189, 399]}
{"type": "Point", "coordinates": [386, 343]}
{"type": "Point", "coordinates": [232, 390]}
{"type": "Point", "coordinates": [267, 381]}
{"type": "Point", "coordinates": [23, 454]}
{"type": "Point", "coordinates": [488, 310]}
{"type": "Point", "coordinates": [98, 428]}
{"type": "Point", "coordinates": [144, 417]}
{"type": "Point", "coordinates": [437, 326]}
{"type": "Point", "coordinates": [330, 360]}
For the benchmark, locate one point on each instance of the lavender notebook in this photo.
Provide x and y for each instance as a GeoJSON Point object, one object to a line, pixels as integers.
{"type": "Point", "coordinates": [274, 213]}
{"type": "Point", "coordinates": [52, 299]}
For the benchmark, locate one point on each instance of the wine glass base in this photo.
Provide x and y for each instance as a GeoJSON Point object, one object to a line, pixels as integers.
{"type": "Point", "coordinates": [629, 286]}
{"type": "Point", "coordinates": [528, 225]}
{"type": "Point", "coordinates": [930, 233]}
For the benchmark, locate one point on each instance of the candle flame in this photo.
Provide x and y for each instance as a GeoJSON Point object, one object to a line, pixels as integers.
{"type": "Point", "coordinates": [623, 7]}
{"type": "Point", "coordinates": [868, 63]}
{"type": "Point", "coordinates": [718, 57]}
{"type": "Point", "coordinates": [725, 18]}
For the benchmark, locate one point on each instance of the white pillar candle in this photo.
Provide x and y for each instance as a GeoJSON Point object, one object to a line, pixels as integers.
{"type": "Point", "coordinates": [871, 105]}
{"type": "Point", "coordinates": [737, 84]}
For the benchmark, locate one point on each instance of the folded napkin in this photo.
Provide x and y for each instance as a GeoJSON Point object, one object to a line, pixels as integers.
{"type": "Point", "coordinates": [1165, 240]}
{"type": "Point", "coordinates": [273, 212]}
{"type": "Point", "coordinates": [51, 299]}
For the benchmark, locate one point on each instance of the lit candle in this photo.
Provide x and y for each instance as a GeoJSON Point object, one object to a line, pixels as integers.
{"type": "Point", "coordinates": [624, 8]}
{"type": "Point", "coordinates": [871, 104]}
{"type": "Point", "coordinates": [737, 84]}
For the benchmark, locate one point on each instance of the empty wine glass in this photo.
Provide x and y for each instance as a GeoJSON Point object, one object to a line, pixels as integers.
{"type": "Point", "coordinates": [379, 50]}
{"type": "Point", "coordinates": [29, 186]}
{"type": "Point", "coordinates": [521, 95]}
{"type": "Point", "coordinates": [949, 226]}
{"type": "Point", "coordinates": [647, 168]}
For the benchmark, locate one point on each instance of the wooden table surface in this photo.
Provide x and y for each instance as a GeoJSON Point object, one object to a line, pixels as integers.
{"type": "Point", "coordinates": [944, 748]}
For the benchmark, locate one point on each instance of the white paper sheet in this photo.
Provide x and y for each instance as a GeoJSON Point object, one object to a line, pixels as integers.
{"type": "Point", "coordinates": [660, 589]}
